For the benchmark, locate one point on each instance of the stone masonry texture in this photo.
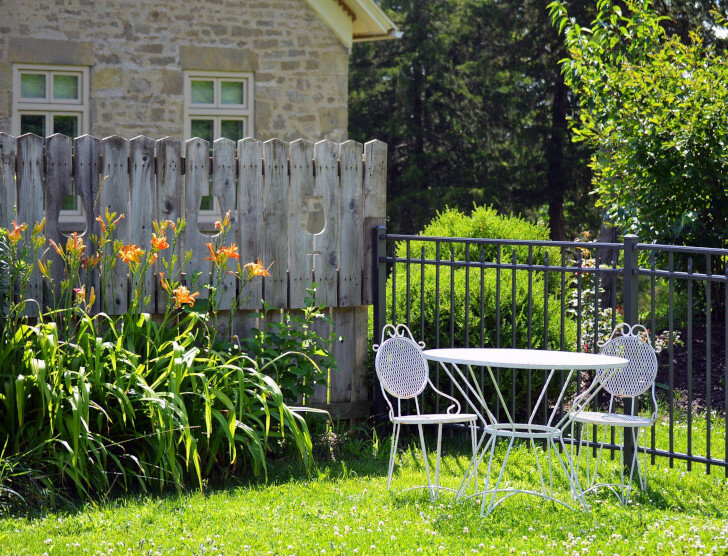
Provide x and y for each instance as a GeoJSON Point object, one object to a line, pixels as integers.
{"type": "Point", "coordinates": [137, 50]}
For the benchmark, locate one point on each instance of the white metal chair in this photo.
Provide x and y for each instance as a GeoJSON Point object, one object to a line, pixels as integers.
{"type": "Point", "coordinates": [628, 383]}
{"type": "Point", "coordinates": [403, 374]}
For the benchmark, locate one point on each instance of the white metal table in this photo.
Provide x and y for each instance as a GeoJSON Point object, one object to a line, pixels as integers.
{"type": "Point", "coordinates": [452, 360]}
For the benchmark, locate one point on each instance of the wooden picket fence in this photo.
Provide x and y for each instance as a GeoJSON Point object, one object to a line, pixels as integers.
{"type": "Point", "coordinates": [305, 207]}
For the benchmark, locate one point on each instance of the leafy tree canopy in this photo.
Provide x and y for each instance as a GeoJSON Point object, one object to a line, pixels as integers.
{"type": "Point", "coordinates": [655, 110]}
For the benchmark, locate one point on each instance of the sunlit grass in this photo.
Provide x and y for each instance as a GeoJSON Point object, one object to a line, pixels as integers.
{"type": "Point", "coordinates": [344, 508]}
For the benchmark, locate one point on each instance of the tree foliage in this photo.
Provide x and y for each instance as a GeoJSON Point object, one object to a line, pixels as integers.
{"type": "Point", "coordinates": [655, 109]}
{"type": "Point", "coordinates": [473, 106]}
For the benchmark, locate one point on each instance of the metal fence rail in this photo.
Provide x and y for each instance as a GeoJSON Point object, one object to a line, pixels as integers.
{"type": "Point", "coordinates": [568, 296]}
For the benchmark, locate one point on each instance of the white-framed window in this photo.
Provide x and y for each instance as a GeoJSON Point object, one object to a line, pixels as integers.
{"type": "Point", "coordinates": [50, 99]}
{"type": "Point", "coordinates": [217, 104]}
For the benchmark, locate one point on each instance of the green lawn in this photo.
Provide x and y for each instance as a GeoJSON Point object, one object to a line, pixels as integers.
{"type": "Point", "coordinates": [344, 508]}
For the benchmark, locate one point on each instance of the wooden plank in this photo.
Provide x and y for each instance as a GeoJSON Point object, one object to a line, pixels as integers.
{"type": "Point", "coordinates": [345, 410]}
{"type": "Point", "coordinates": [142, 206]}
{"type": "Point", "coordinates": [327, 186]}
{"type": "Point", "coordinates": [223, 187]}
{"type": "Point", "coordinates": [114, 197]}
{"type": "Point", "coordinates": [351, 241]}
{"type": "Point", "coordinates": [305, 213]}
{"type": "Point", "coordinates": [86, 165]}
{"type": "Point", "coordinates": [30, 175]}
{"type": "Point", "coordinates": [169, 202]}
{"type": "Point", "coordinates": [250, 214]}
{"type": "Point", "coordinates": [197, 172]}
{"type": "Point", "coordinates": [8, 191]}
{"type": "Point", "coordinates": [374, 209]}
{"type": "Point", "coordinates": [321, 391]}
{"type": "Point", "coordinates": [275, 223]}
{"type": "Point", "coordinates": [359, 344]}
{"type": "Point", "coordinates": [57, 184]}
{"type": "Point", "coordinates": [341, 380]}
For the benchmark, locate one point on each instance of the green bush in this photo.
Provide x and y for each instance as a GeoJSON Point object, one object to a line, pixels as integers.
{"type": "Point", "coordinates": [90, 403]}
{"type": "Point", "coordinates": [486, 223]}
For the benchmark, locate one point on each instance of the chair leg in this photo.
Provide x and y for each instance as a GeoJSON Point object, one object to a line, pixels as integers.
{"type": "Point", "coordinates": [635, 432]}
{"type": "Point", "coordinates": [424, 457]}
{"type": "Point", "coordinates": [392, 453]}
{"type": "Point", "coordinates": [474, 442]}
{"type": "Point", "coordinates": [437, 461]}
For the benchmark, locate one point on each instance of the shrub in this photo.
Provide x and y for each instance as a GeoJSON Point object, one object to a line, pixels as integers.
{"type": "Point", "coordinates": [530, 322]}
{"type": "Point", "coordinates": [92, 402]}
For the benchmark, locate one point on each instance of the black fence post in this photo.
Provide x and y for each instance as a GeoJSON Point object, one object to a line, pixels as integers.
{"type": "Point", "coordinates": [379, 295]}
{"type": "Point", "coordinates": [631, 317]}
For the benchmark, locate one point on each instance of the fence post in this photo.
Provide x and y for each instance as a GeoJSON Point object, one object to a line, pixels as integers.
{"type": "Point", "coordinates": [379, 296]}
{"type": "Point", "coordinates": [631, 316]}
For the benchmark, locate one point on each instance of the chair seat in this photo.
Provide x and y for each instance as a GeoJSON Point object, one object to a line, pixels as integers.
{"type": "Point", "coordinates": [435, 418]}
{"type": "Point", "coordinates": [613, 419]}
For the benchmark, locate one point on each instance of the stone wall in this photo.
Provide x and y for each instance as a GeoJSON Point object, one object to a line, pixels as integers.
{"type": "Point", "coordinates": [137, 50]}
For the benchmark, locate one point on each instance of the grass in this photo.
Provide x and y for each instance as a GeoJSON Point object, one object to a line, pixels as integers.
{"type": "Point", "coordinates": [344, 508]}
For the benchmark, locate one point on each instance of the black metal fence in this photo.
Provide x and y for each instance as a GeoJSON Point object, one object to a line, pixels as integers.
{"type": "Point", "coordinates": [569, 296]}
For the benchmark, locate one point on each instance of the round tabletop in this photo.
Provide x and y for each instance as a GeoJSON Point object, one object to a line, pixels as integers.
{"type": "Point", "coordinates": [524, 358]}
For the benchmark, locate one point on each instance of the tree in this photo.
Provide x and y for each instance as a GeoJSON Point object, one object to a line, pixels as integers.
{"type": "Point", "coordinates": [473, 106]}
{"type": "Point", "coordinates": [655, 109]}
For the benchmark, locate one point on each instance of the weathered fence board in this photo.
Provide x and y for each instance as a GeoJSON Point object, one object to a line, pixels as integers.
{"type": "Point", "coordinates": [375, 208]}
{"type": "Point", "coordinates": [114, 197]}
{"type": "Point", "coordinates": [86, 171]}
{"type": "Point", "coordinates": [169, 201]}
{"type": "Point", "coordinates": [250, 208]}
{"type": "Point", "coordinates": [30, 176]}
{"type": "Point", "coordinates": [327, 186]}
{"type": "Point", "coordinates": [197, 172]}
{"type": "Point", "coordinates": [8, 192]}
{"type": "Point", "coordinates": [223, 187]}
{"type": "Point", "coordinates": [350, 254]}
{"type": "Point", "coordinates": [57, 184]}
{"type": "Point", "coordinates": [275, 220]}
{"type": "Point", "coordinates": [301, 222]}
{"type": "Point", "coordinates": [303, 209]}
{"type": "Point", "coordinates": [141, 190]}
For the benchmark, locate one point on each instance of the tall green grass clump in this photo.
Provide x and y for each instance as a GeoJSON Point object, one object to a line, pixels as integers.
{"type": "Point", "coordinates": [489, 314]}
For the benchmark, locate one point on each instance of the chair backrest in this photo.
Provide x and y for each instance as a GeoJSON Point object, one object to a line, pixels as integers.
{"type": "Point", "coordinates": [639, 374]}
{"type": "Point", "coordinates": [401, 368]}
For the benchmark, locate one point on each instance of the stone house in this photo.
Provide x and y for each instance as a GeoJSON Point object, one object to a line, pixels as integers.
{"type": "Point", "coordinates": [211, 68]}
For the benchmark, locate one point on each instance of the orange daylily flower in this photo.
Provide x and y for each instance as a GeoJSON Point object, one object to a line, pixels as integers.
{"type": "Point", "coordinates": [17, 230]}
{"type": "Point", "coordinates": [90, 262]}
{"type": "Point", "coordinates": [165, 283]}
{"type": "Point", "coordinates": [213, 255]}
{"type": "Point", "coordinates": [256, 269]}
{"type": "Point", "coordinates": [159, 242]}
{"type": "Point", "coordinates": [182, 295]}
{"type": "Point", "coordinates": [55, 246]}
{"type": "Point", "coordinates": [153, 258]}
{"type": "Point", "coordinates": [131, 253]}
{"type": "Point", "coordinates": [80, 293]}
{"type": "Point", "coordinates": [102, 224]}
{"type": "Point", "coordinates": [225, 221]}
{"type": "Point", "coordinates": [229, 252]}
{"type": "Point", "coordinates": [75, 244]}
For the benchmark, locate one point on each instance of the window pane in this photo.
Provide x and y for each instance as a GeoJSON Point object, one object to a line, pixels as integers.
{"type": "Point", "coordinates": [232, 92]}
{"type": "Point", "coordinates": [202, 129]}
{"type": "Point", "coordinates": [232, 129]}
{"type": "Point", "coordinates": [68, 125]}
{"type": "Point", "coordinates": [65, 87]}
{"type": "Point", "coordinates": [203, 92]}
{"type": "Point", "coordinates": [33, 85]}
{"type": "Point", "coordinates": [32, 123]}
{"type": "Point", "coordinates": [69, 202]}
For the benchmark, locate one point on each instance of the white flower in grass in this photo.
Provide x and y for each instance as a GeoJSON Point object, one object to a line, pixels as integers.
{"type": "Point", "coordinates": [48, 541]}
{"type": "Point", "coordinates": [466, 530]}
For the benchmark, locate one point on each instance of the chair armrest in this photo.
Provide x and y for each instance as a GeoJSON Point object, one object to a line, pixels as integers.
{"type": "Point", "coordinates": [451, 406]}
